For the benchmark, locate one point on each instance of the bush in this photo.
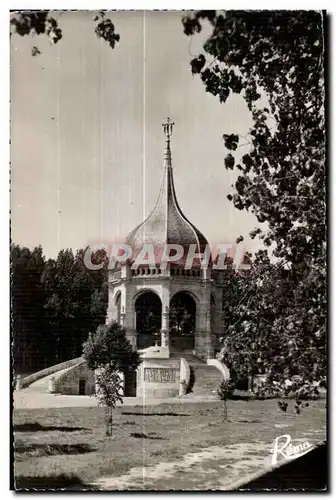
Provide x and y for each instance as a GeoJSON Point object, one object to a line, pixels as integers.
{"type": "Point", "coordinates": [295, 388]}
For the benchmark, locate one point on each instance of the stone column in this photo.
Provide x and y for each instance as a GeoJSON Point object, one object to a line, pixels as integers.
{"type": "Point", "coordinates": [52, 385]}
{"type": "Point", "coordinates": [131, 337]}
{"type": "Point", "coordinates": [18, 383]}
{"type": "Point", "coordinates": [127, 316]}
{"type": "Point", "coordinates": [110, 308]}
{"type": "Point", "coordinates": [165, 327]}
{"type": "Point", "coordinates": [208, 320]}
{"type": "Point", "coordinates": [203, 345]}
{"type": "Point", "coordinates": [122, 316]}
{"type": "Point", "coordinates": [165, 300]}
{"type": "Point", "coordinates": [208, 343]}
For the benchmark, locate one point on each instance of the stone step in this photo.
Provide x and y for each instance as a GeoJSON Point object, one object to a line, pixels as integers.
{"type": "Point", "coordinates": [42, 385]}
{"type": "Point", "coordinates": [207, 379]}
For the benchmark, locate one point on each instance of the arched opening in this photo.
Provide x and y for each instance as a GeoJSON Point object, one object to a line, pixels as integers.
{"type": "Point", "coordinates": [117, 302]}
{"type": "Point", "coordinates": [182, 321]}
{"type": "Point", "coordinates": [148, 310]}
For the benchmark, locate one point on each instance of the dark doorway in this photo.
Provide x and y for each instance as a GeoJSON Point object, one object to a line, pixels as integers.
{"type": "Point", "coordinates": [81, 388]}
{"type": "Point", "coordinates": [182, 321]}
{"type": "Point", "coordinates": [118, 305]}
{"type": "Point", "coordinates": [148, 310]}
{"type": "Point", "coordinates": [130, 384]}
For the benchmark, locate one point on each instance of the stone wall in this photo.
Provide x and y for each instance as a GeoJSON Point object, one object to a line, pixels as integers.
{"type": "Point", "coordinates": [70, 381]}
{"type": "Point", "coordinates": [221, 367]}
{"type": "Point", "coordinates": [26, 381]}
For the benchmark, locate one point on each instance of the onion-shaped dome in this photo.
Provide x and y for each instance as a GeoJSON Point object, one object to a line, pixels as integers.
{"type": "Point", "coordinates": [166, 224]}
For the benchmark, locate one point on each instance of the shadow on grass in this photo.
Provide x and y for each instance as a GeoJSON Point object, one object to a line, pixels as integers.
{"type": "Point", "coordinates": [38, 449]}
{"type": "Point", "coordinates": [35, 427]}
{"type": "Point", "coordinates": [242, 421]}
{"type": "Point", "coordinates": [48, 483]}
{"type": "Point", "coordinates": [167, 414]}
{"type": "Point", "coordinates": [145, 436]}
{"type": "Point", "coordinates": [220, 421]}
{"type": "Point", "coordinates": [240, 396]}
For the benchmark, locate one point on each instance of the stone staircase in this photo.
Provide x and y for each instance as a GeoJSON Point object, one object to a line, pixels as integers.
{"type": "Point", "coordinates": [42, 384]}
{"type": "Point", "coordinates": [205, 379]}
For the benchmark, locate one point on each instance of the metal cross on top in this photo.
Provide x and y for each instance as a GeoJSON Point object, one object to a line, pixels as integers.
{"type": "Point", "coordinates": [168, 127]}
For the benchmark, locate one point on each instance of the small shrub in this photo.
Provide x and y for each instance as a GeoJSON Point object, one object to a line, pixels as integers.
{"type": "Point", "coordinates": [223, 394]}
{"type": "Point", "coordinates": [296, 389]}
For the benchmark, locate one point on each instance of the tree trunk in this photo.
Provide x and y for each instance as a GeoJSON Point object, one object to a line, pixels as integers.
{"type": "Point", "coordinates": [249, 378]}
{"type": "Point", "coordinates": [109, 421]}
{"type": "Point", "coordinates": [225, 410]}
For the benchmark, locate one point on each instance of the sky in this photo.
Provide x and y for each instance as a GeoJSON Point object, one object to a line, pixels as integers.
{"type": "Point", "coordinates": [87, 142]}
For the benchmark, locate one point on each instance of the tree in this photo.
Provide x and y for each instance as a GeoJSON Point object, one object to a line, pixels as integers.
{"type": "Point", "coordinates": [41, 22]}
{"type": "Point", "coordinates": [109, 354]}
{"type": "Point", "coordinates": [27, 301]}
{"type": "Point", "coordinates": [224, 391]}
{"type": "Point", "coordinates": [277, 55]}
{"type": "Point", "coordinates": [59, 306]}
{"type": "Point", "coordinates": [54, 305]}
{"type": "Point", "coordinates": [109, 390]}
{"type": "Point", "coordinates": [76, 302]}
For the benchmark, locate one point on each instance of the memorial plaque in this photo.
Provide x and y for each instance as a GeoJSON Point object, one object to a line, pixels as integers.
{"type": "Point", "coordinates": [160, 375]}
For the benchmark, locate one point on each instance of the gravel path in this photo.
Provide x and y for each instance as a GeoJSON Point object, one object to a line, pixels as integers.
{"type": "Point", "coordinates": [214, 468]}
{"type": "Point", "coordinates": [29, 398]}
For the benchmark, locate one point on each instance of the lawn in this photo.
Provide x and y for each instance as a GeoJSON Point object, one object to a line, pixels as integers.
{"type": "Point", "coordinates": [67, 447]}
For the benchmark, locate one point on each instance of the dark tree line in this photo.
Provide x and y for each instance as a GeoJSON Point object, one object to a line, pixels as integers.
{"type": "Point", "coordinates": [55, 303]}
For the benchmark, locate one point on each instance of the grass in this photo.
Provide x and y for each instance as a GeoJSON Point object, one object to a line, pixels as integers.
{"type": "Point", "coordinates": [67, 447]}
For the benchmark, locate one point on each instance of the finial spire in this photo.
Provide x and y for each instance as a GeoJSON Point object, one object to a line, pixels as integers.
{"type": "Point", "coordinates": [168, 128]}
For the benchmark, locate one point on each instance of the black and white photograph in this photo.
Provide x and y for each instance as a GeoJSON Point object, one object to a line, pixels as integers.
{"type": "Point", "coordinates": [168, 250]}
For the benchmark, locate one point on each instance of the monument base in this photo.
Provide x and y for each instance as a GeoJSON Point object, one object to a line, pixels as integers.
{"type": "Point", "coordinates": [158, 378]}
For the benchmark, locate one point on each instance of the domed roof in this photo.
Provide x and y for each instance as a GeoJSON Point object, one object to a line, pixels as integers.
{"type": "Point", "coordinates": [166, 224]}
